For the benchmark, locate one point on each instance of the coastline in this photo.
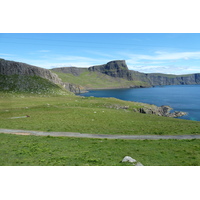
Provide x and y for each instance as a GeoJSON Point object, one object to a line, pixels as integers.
{"type": "Point", "coordinates": [111, 88]}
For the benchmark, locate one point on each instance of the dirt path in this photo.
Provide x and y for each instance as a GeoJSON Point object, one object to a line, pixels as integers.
{"type": "Point", "coordinates": [84, 135]}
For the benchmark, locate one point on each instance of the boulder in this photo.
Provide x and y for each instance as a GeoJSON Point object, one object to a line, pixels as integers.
{"type": "Point", "coordinates": [129, 159]}
{"type": "Point", "coordinates": [139, 164]}
{"type": "Point", "coordinates": [161, 111]}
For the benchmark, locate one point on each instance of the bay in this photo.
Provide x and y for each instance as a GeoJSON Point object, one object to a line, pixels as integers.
{"type": "Point", "coordinates": [184, 98]}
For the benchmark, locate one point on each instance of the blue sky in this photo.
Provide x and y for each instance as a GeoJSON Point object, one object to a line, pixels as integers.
{"type": "Point", "coordinates": [172, 53]}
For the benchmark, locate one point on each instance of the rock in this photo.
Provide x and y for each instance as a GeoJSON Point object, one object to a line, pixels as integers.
{"type": "Point", "coordinates": [22, 69]}
{"type": "Point", "coordinates": [116, 106]}
{"type": "Point", "coordinates": [160, 111]}
{"type": "Point", "coordinates": [177, 114]}
{"type": "Point", "coordinates": [139, 164]}
{"type": "Point", "coordinates": [116, 68]}
{"type": "Point", "coordinates": [128, 159]}
{"type": "Point", "coordinates": [18, 68]}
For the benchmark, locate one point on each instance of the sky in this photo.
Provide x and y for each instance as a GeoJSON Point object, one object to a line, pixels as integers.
{"type": "Point", "coordinates": [171, 53]}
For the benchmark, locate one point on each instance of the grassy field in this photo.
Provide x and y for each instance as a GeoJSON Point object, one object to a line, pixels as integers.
{"type": "Point", "coordinates": [72, 113]}
{"type": "Point", "coordinates": [97, 80]}
{"type": "Point", "coordinates": [61, 151]}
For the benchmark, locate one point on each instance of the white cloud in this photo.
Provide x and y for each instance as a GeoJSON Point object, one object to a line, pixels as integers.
{"type": "Point", "coordinates": [6, 54]}
{"type": "Point", "coordinates": [158, 55]}
{"type": "Point", "coordinates": [43, 51]}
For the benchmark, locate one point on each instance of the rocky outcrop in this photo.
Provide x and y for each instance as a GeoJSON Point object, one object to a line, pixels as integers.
{"type": "Point", "coordinates": [76, 89]}
{"type": "Point", "coordinates": [163, 79]}
{"type": "Point", "coordinates": [18, 68]}
{"type": "Point", "coordinates": [161, 111]}
{"type": "Point", "coordinates": [117, 69]}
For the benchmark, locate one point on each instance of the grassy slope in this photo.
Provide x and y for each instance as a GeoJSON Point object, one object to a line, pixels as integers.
{"type": "Point", "coordinates": [29, 84]}
{"type": "Point", "coordinates": [97, 80]}
{"type": "Point", "coordinates": [86, 115]}
{"type": "Point", "coordinates": [53, 109]}
{"type": "Point", "coordinates": [44, 151]}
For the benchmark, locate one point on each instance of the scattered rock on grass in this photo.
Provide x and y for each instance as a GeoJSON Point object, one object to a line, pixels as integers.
{"type": "Point", "coordinates": [139, 164]}
{"type": "Point", "coordinates": [132, 160]}
{"type": "Point", "coordinates": [128, 159]}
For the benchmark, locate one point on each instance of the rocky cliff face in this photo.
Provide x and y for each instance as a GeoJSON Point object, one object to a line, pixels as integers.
{"type": "Point", "coordinates": [155, 79]}
{"type": "Point", "coordinates": [161, 111]}
{"type": "Point", "coordinates": [17, 68]}
{"type": "Point", "coordinates": [117, 68]}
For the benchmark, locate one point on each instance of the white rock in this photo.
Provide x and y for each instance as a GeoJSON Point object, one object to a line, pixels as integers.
{"type": "Point", "coordinates": [139, 164]}
{"type": "Point", "coordinates": [128, 159]}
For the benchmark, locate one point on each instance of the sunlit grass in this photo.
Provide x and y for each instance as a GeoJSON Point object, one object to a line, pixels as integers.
{"type": "Point", "coordinates": [87, 115]}
{"type": "Point", "coordinates": [62, 151]}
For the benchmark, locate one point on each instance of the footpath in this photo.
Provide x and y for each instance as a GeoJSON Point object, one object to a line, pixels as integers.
{"type": "Point", "coordinates": [100, 136]}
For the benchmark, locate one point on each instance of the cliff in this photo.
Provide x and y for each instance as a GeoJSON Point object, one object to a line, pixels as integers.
{"type": "Point", "coordinates": [163, 79]}
{"type": "Point", "coordinates": [18, 69]}
{"type": "Point", "coordinates": [114, 74]}
{"type": "Point", "coordinates": [117, 69]}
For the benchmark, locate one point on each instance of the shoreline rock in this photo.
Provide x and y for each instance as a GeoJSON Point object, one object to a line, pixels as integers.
{"type": "Point", "coordinates": [161, 111]}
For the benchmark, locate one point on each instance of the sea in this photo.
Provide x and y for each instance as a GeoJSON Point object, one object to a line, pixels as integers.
{"type": "Point", "coordinates": [184, 98]}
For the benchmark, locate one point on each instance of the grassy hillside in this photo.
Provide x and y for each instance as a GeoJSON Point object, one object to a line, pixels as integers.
{"type": "Point", "coordinates": [29, 84]}
{"type": "Point", "coordinates": [96, 80]}
{"type": "Point", "coordinates": [89, 115]}
{"type": "Point", "coordinates": [86, 115]}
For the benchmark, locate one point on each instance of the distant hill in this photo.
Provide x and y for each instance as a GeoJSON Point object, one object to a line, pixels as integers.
{"type": "Point", "coordinates": [21, 77]}
{"type": "Point", "coordinates": [17, 76]}
{"type": "Point", "coordinates": [115, 74]}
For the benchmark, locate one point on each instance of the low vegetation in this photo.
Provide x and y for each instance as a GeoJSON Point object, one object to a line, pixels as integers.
{"type": "Point", "coordinates": [70, 113]}
{"type": "Point", "coordinates": [98, 80]}
{"type": "Point", "coordinates": [29, 85]}
{"type": "Point", "coordinates": [62, 151]}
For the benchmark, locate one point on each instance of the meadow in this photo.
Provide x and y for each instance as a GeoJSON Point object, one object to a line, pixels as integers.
{"type": "Point", "coordinates": [18, 150]}
{"type": "Point", "coordinates": [70, 113]}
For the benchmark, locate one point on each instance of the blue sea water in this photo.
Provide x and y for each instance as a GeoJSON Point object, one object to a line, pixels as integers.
{"type": "Point", "coordinates": [184, 98]}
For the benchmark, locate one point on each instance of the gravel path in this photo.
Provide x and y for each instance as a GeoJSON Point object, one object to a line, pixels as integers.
{"type": "Point", "coordinates": [84, 135]}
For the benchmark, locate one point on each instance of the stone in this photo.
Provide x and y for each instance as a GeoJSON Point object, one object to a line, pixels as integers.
{"type": "Point", "coordinates": [116, 68]}
{"type": "Point", "coordinates": [161, 111]}
{"type": "Point", "coordinates": [139, 164]}
{"type": "Point", "coordinates": [128, 159]}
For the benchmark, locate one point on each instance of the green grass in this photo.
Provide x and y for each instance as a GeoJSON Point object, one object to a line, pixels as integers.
{"type": "Point", "coordinates": [97, 80]}
{"type": "Point", "coordinates": [16, 150]}
{"type": "Point", "coordinates": [86, 115]}
{"type": "Point", "coordinates": [22, 84]}
{"type": "Point", "coordinates": [90, 115]}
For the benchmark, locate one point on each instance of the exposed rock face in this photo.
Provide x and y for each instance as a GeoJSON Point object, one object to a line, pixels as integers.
{"type": "Point", "coordinates": [161, 111]}
{"type": "Point", "coordinates": [156, 79]}
{"type": "Point", "coordinates": [117, 68]}
{"type": "Point", "coordinates": [77, 89]}
{"type": "Point", "coordinates": [22, 69]}
{"type": "Point", "coordinates": [71, 70]}
{"type": "Point", "coordinates": [12, 68]}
